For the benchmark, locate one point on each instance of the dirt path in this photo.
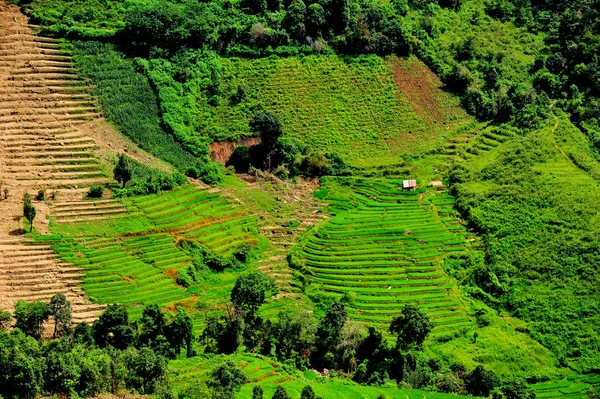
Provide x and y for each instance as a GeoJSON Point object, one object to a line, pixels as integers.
{"type": "Point", "coordinates": [556, 122]}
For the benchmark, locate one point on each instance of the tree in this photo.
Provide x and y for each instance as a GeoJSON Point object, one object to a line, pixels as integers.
{"type": "Point", "coordinates": [61, 311]}
{"type": "Point", "coordinates": [225, 330]}
{"type": "Point", "coordinates": [226, 380]}
{"type": "Point", "coordinates": [29, 211]}
{"type": "Point", "coordinates": [281, 393]}
{"type": "Point", "coordinates": [517, 390]}
{"type": "Point", "coordinates": [481, 381]}
{"type": "Point", "coordinates": [268, 126]}
{"type": "Point", "coordinates": [30, 317]}
{"type": "Point", "coordinates": [257, 392]}
{"type": "Point", "coordinates": [122, 171]}
{"type": "Point", "coordinates": [153, 323]}
{"type": "Point", "coordinates": [329, 335]}
{"type": "Point", "coordinates": [180, 332]}
{"type": "Point", "coordinates": [82, 334]}
{"type": "Point", "coordinates": [307, 393]}
{"type": "Point", "coordinates": [21, 366]}
{"type": "Point", "coordinates": [411, 327]}
{"type": "Point", "coordinates": [251, 290]}
{"type": "Point", "coordinates": [112, 328]}
{"type": "Point", "coordinates": [146, 370]}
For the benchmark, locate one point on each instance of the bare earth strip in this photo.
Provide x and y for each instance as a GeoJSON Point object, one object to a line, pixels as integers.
{"type": "Point", "coordinates": [45, 114]}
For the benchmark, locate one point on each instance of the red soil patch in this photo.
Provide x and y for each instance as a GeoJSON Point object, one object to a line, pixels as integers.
{"type": "Point", "coordinates": [421, 86]}
{"type": "Point", "coordinates": [172, 273]}
{"type": "Point", "coordinates": [221, 151]}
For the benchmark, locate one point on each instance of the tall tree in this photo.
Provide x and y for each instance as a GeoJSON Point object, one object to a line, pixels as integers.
{"type": "Point", "coordinates": [329, 335]}
{"type": "Point", "coordinates": [122, 171]}
{"type": "Point", "coordinates": [268, 126]}
{"type": "Point", "coordinates": [307, 393]}
{"type": "Point", "coordinates": [61, 311]}
{"type": "Point", "coordinates": [180, 332]}
{"type": "Point", "coordinates": [281, 393]}
{"type": "Point", "coordinates": [29, 211]}
{"type": "Point", "coordinates": [411, 328]}
{"type": "Point", "coordinates": [31, 316]}
{"type": "Point", "coordinates": [226, 380]}
{"type": "Point", "coordinates": [251, 290]}
{"type": "Point", "coordinates": [153, 323]}
{"type": "Point", "coordinates": [112, 328]}
{"type": "Point", "coordinates": [257, 392]}
{"type": "Point", "coordinates": [480, 381]}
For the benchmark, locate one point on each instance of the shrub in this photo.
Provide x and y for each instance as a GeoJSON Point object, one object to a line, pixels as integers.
{"type": "Point", "coordinates": [96, 191]}
{"type": "Point", "coordinates": [208, 171]}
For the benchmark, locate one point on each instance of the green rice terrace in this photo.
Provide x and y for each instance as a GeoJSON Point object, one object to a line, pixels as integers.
{"type": "Point", "coordinates": [384, 247]}
{"type": "Point", "coordinates": [353, 199]}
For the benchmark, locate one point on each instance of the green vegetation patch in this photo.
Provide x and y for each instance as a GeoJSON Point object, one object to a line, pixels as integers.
{"type": "Point", "coordinates": [366, 112]}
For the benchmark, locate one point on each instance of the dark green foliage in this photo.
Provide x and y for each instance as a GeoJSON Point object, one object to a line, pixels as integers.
{"type": "Point", "coordinates": [223, 333]}
{"type": "Point", "coordinates": [329, 336]}
{"type": "Point", "coordinates": [307, 393]}
{"type": "Point", "coordinates": [31, 316]}
{"type": "Point", "coordinates": [153, 323]}
{"type": "Point", "coordinates": [257, 392]}
{"type": "Point", "coordinates": [82, 334]}
{"type": "Point", "coordinates": [411, 328]}
{"type": "Point", "coordinates": [517, 390]}
{"type": "Point", "coordinates": [60, 310]}
{"type": "Point", "coordinates": [240, 159]}
{"type": "Point", "coordinates": [209, 171]}
{"type": "Point", "coordinates": [291, 336]}
{"type": "Point", "coordinates": [122, 171]}
{"type": "Point", "coordinates": [226, 380]}
{"type": "Point", "coordinates": [146, 371]}
{"type": "Point", "coordinates": [281, 393]}
{"type": "Point", "coordinates": [21, 371]}
{"type": "Point", "coordinates": [29, 211]}
{"type": "Point", "coordinates": [112, 328]}
{"type": "Point", "coordinates": [180, 333]}
{"type": "Point", "coordinates": [251, 290]}
{"type": "Point", "coordinates": [128, 101]}
{"type": "Point", "coordinates": [480, 382]}
{"type": "Point", "coordinates": [96, 191]}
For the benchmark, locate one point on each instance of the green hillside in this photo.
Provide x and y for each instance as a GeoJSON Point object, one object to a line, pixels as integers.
{"type": "Point", "coordinates": [370, 111]}
{"type": "Point", "coordinates": [277, 247]}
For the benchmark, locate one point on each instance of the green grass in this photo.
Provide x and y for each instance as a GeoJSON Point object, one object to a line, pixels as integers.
{"type": "Point", "coordinates": [189, 377]}
{"type": "Point", "coordinates": [534, 198]}
{"type": "Point", "coordinates": [361, 108]}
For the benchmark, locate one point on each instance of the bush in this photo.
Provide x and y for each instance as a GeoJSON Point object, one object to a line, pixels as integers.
{"type": "Point", "coordinates": [209, 172]}
{"type": "Point", "coordinates": [240, 159]}
{"type": "Point", "coordinates": [96, 191]}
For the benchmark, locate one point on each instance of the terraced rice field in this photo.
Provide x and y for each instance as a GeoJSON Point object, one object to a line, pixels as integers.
{"type": "Point", "coordinates": [574, 387]}
{"type": "Point", "coordinates": [81, 211]}
{"type": "Point", "coordinates": [383, 247]}
{"type": "Point", "coordinates": [470, 145]}
{"type": "Point", "coordinates": [33, 271]}
{"type": "Point", "coordinates": [129, 270]}
{"type": "Point", "coordinates": [128, 250]}
{"type": "Point", "coordinates": [200, 215]}
{"type": "Point", "coordinates": [42, 102]}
